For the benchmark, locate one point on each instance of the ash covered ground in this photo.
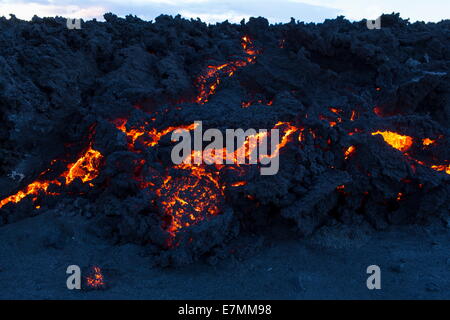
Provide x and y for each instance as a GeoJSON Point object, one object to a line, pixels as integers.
{"type": "Point", "coordinates": [364, 156]}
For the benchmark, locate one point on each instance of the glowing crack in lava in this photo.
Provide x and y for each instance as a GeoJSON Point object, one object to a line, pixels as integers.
{"type": "Point", "coordinates": [152, 135]}
{"type": "Point", "coordinates": [208, 82]}
{"type": "Point", "coordinates": [86, 168]}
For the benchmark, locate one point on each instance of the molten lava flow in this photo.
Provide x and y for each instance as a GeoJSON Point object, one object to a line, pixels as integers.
{"type": "Point", "coordinates": [190, 193]}
{"type": "Point", "coordinates": [95, 280]}
{"type": "Point", "coordinates": [86, 168]}
{"type": "Point", "coordinates": [156, 135]}
{"type": "Point", "coordinates": [208, 83]}
{"type": "Point", "coordinates": [395, 140]}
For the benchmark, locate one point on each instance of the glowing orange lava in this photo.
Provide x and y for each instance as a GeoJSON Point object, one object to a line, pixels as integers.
{"type": "Point", "coordinates": [403, 143]}
{"type": "Point", "coordinates": [86, 168]}
{"type": "Point", "coordinates": [32, 189]}
{"type": "Point", "coordinates": [445, 168]}
{"type": "Point", "coordinates": [132, 134]}
{"type": "Point", "coordinates": [248, 149]}
{"type": "Point", "coordinates": [395, 140]}
{"type": "Point", "coordinates": [153, 134]}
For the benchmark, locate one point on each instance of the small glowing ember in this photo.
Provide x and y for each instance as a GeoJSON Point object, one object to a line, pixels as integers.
{"type": "Point", "coordinates": [95, 280]}
{"type": "Point", "coordinates": [377, 111]}
{"type": "Point", "coordinates": [427, 141]}
{"type": "Point", "coordinates": [335, 110]}
{"type": "Point", "coordinates": [246, 104]}
{"type": "Point", "coordinates": [350, 150]}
